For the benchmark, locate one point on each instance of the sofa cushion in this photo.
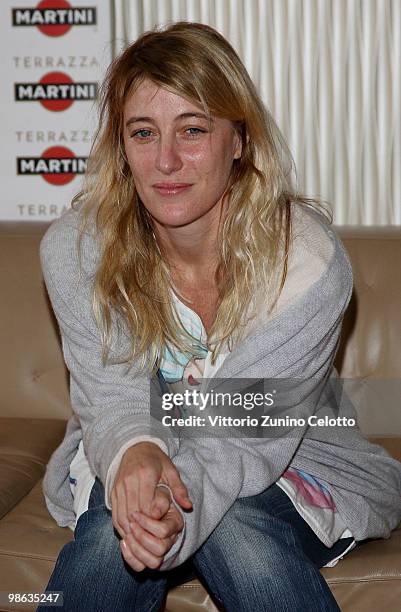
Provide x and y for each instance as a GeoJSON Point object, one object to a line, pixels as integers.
{"type": "Point", "coordinates": [369, 578]}
{"type": "Point", "coordinates": [33, 376]}
{"type": "Point", "coordinates": [25, 449]}
{"type": "Point", "coordinates": [30, 541]}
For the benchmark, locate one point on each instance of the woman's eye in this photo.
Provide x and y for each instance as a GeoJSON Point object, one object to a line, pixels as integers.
{"type": "Point", "coordinates": [141, 134]}
{"type": "Point", "coordinates": [195, 131]}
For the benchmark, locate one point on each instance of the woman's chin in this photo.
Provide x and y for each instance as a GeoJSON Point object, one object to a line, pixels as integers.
{"type": "Point", "coordinates": [175, 219]}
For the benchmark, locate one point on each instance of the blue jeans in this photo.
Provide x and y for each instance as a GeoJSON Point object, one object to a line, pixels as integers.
{"type": "Point", "coordinates": [261, 557]}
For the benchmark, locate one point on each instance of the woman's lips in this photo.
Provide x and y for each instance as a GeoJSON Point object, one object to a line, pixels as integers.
{"type": "Point", "coordinates": [169, 189]}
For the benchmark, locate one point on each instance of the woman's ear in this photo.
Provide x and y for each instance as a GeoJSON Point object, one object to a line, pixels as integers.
{"type": "Point", "coordinates": [237, 144]}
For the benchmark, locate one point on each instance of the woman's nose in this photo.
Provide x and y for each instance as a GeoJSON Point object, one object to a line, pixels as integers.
{"type": "Point", "coordinates": [168, 159]}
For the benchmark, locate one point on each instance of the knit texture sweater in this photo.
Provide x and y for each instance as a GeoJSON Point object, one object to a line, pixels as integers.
{"type": "Point", "coordinates": [111, 403]}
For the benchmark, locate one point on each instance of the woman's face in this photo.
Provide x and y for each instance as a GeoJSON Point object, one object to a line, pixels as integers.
{"type": "Point", "coordinates": [180, 162]}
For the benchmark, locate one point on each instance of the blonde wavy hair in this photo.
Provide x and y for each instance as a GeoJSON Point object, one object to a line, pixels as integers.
{"type": "Point", "coordinates": [133, 278]}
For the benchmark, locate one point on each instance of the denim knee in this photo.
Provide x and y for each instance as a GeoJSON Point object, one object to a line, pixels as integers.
{"type": "Point", "coordinates": [97, 524]}
{"type": "Point", "coordinates": [92, 573]}
{"type": "Point", "coordinates": [94, 550]}
{"type": "Point", "coordinates": [252, 545]}
{"type": "Point", "coordinates": [252, 560]}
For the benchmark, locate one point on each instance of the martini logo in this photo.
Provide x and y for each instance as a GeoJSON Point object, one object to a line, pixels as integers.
{"type": "Point", "coordinates": [54, 17]}
{"type": "Point", "coordinates": [56, 91]}
{"type": "Point", "coordinates": [57, 165]}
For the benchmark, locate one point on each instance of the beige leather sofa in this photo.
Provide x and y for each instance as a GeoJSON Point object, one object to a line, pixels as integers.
{"type": "Point", "coordinates": [35, 405]}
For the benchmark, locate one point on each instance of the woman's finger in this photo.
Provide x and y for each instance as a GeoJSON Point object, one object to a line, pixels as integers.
{"type": "Point", "coordinates": [178, 488]}
{"type": "Point", "coordinates": [161, 503]}
{"type": "Point", "coordinates": [142, 554]}
{"type": "Point", "coordinates": [130, 558]}
{"type": "Point", "coordinates": [156, 546]}
{"type": "Point", "coordinates": [147, 481]}
{"type": "Point", "coordinates": [169, 525]}
{"type": "Point", "coordinates": [131, 491]}
{"type": "Point", "coordinates": [126, 491]}
{"type": "Point", "coordinates": [120, 523]}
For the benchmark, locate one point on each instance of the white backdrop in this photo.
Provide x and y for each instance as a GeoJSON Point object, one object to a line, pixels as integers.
{"type": "Point", "coordinates": [49, 74]}
{"type": "Point", "coordinates": [329, 71]}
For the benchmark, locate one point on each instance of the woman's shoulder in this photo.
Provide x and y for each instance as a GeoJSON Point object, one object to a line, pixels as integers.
{"type": "Point", "coordinates": [65, 229]}
{"type": "Point", "coordinates": [316, 254]}
{"type": "Point", "coordinates": [311, 235]}
{"type": "Point", "coordinates": [60, 240]}
{"type": "Point", "coordinates": [64, 258]}
{"type": "Point", "coordinates": [315, 244]}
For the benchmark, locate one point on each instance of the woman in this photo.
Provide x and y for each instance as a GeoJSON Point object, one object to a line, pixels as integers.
{"type": "Point", "coordinates": [188, 257]}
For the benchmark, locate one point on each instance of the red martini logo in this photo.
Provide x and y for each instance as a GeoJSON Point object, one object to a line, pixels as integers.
{"type": "Point", "coordinates": [54, 17]}
{"type": "Point", "coordinates": [58, 165]}
{"type": "Point", "coordinates": [56, 91]}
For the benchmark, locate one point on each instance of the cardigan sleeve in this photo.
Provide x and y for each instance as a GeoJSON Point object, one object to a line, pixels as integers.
{"type": "Point", "coordinates": [112, 401]}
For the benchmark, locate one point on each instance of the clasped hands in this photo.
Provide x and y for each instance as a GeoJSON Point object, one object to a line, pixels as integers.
{"type": "Point", "coordinates": [142, 512]}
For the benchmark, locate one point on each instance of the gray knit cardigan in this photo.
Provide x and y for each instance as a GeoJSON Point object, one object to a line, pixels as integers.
{"type": "Point", "coordinates": [111, 403]}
